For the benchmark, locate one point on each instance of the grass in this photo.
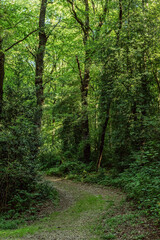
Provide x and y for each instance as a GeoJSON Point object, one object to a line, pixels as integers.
{"type": "Point", "coordinates": [21, 232]}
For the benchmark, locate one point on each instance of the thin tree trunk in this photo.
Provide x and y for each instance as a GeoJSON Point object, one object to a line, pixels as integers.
{"type": "Point", "coordinates": [84, 78]}
{"type": "Point", "coordinates": [103, 137]}
{"type": "Point", "coordinates": [40, 63]}
{"type": "Point", "coordinates": [120, 20]}
{"type": "Point", "coordinates": [84, 89]}
{"type": "Point", "coordinates": [2, 58]}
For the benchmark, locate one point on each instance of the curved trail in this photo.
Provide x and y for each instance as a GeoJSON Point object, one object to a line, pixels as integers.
{"type": "Point", "coordinates": [75, 220]}
{"type": "Point", "coordinates": [89, 212]}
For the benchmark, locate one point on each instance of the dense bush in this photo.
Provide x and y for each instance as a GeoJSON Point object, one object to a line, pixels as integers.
{"type": "Point", "coordinates": [141, 183]}
{"type": "Point", "coordinates": [68, 168]}
{"type": "Point", "coordinates": [48, 158]}
{"type": "Point", "coordinates": [20, 183]}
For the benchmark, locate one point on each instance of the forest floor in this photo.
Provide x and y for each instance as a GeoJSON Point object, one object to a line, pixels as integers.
{"type": "Point", "coordinates": [87, 212]}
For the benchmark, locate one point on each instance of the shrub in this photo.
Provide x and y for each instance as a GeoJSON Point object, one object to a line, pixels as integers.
{"type": "Point", "coordinates": [141, 182]}
{"type": "Point", "coordinates": [21, 188]}
{"type": "Point", "coordinates": [67, 167]}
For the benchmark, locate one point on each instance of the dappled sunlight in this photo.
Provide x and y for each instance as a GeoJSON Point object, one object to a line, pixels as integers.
{"type": "Point", "coordinates": [54, 179]}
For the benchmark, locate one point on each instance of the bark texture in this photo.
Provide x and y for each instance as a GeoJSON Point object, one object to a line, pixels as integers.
{"type": "Point", "coordinates": [85, 87]}
{"type": "Point", "coordinates": [102, 139]}
{"type": "Point", "coordinates": [40, 63]}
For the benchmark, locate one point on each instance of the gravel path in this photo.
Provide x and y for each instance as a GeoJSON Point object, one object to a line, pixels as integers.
{"type": "Point", "coordinates": [70, 226]}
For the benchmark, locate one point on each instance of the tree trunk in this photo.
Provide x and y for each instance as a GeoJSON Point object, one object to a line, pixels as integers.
{"type": "Point", "coordinates": [84, 89]}
{"type": "Point", "coordinates": [85, 78]}
{"type": "Point", "coordinates": [85, 121]}
{"type": "Point", "coordinates": [103, 137]}
{"type": "Point", "coordinates": [2, 58]}
{"type": "Point", "coordinates": [120, 20]}
{"type": "Point", "coordinates": [40, 63]}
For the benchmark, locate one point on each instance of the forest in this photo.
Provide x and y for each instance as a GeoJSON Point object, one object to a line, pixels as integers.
{"type": "Point", "coordinates": [79, 99]}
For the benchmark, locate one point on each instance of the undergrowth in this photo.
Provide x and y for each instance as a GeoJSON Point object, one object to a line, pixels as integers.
{"type": "Point", "coordinates": [25, 205]}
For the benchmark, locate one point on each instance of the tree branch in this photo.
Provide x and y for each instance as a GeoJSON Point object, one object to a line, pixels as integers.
{"type": "Point", "coordinates": [53, 28]}
{"type": "Point", "coordinates": [21, 40]}
{"type": "Point", "coordinates": [75, 15]}
{"type": "Point", "coordinates": [31, 52]}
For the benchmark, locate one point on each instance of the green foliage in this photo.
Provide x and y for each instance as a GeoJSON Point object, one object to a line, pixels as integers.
{"type": "Point", "coordinates": [48, 158]}
{"type": "Point", "coordinates": [9, 224]}
{"type": "Point", "coordinates": [17, 147]}
{"type": "Point", "coordinates": [22, 192]}
{"type": "Point", "coordinates": [101, 177]}
{"type": "Point", "coordinates": [141, 183]}
{"type": "Point", "coordinates": [24, 204]}
{"type": "Point", "coordinates": [68, 168]}
{"type": "Point", "coordinates": [45, 190]}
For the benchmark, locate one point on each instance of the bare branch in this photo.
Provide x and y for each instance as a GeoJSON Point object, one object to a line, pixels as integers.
{"type": "Point", "coordinates": [21, 40]}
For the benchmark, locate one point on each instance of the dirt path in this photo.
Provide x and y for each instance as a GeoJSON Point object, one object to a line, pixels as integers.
{"type": "Point", "coordinates": [81, 205]}
{"type": "Point", "coordinates": [90, 212]}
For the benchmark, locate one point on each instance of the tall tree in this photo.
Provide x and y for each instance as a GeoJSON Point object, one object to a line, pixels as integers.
{"type": "Point", "coordinates": [85, 77]}
{"type": "Point", "coordinates": [40, 62]}
{"type": "Point", "coordinates": [85, 26]}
